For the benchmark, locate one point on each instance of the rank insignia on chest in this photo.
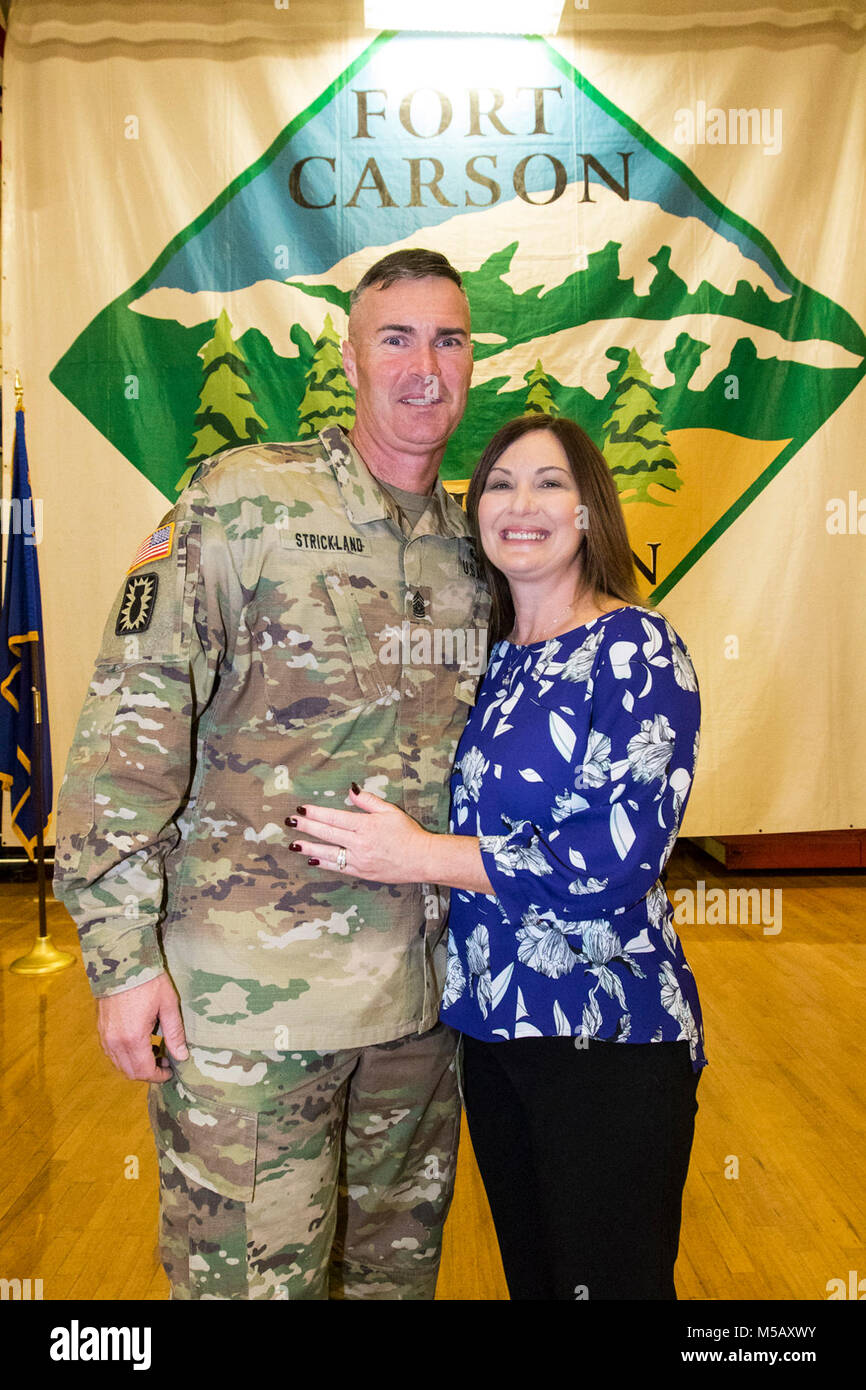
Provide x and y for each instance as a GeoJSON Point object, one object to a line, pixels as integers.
{"type": "Point", "coordinates": [137, 604]}
{"type": "Point", "coordinates": [418, 605]}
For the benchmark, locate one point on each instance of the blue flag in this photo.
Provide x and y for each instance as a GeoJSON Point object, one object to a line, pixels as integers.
{"type": "Point", "coordinates": [21, 647]}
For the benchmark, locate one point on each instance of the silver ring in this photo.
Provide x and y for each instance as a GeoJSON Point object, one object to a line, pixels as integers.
{"type": "Point", "coordinates": [341, 860]}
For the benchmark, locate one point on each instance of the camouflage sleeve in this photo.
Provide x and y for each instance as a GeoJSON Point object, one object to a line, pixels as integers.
{"type": "Point", "coordinates": [132, 762]}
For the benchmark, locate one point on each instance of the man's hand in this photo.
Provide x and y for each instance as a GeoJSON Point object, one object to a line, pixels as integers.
{"type": "Point", "coordinates": [127, 1020]}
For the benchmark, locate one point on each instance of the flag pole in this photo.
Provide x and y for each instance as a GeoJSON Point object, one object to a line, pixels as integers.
{"type": "Point", "coordinates": [44, 958]}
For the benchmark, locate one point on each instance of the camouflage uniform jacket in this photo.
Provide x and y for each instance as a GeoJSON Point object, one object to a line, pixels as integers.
{"type": "Point", "coordinates": [283, 639]}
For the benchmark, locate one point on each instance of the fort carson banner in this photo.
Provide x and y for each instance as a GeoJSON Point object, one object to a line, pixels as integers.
{"type": "Point", "coordinates": [616, 271]}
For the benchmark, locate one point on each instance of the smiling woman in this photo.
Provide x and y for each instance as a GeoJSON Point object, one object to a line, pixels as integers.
{"type": "Point", "coordinates": [540, 496]}
{"type": "Point", "coordinates": [568, 791]}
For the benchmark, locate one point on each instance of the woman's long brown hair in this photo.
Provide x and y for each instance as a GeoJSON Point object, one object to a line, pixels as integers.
{"type": "Point", "coordinates": [608, 564]}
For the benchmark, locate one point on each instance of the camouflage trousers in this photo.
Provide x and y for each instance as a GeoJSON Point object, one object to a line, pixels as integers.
{"type": "Point", "coordinates": [309, 1176]}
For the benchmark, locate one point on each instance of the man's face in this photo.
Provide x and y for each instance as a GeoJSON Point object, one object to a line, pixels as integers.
{"type": "Point", "coordinates": [409, 358]}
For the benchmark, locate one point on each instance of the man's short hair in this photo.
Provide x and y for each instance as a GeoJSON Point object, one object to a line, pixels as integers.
{"type": "Point", "coordinates": [414, 263]}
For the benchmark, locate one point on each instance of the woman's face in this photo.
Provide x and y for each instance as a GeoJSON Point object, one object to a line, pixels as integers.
{"type": "Point", "coordinates": [529, 511]}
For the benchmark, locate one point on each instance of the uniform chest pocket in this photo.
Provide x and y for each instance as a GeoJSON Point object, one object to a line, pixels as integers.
{"type": "Point", "coordinates": [359, 641]}
{"type": "Point", "coordinates": [319, 650]}
{"type": "Point", "coordinates": [462, 609]}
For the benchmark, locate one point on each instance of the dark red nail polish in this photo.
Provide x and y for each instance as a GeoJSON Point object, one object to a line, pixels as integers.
{"type": "Point", "coordinates": [314, 862]}
{"type": "Point", "coordinates": [356, 789]}
{"type": "Point", "coordinates": [301, 810]}
{"type": "Point", "coordinates": [295, 847]}
{"type": "Point", "coordinates": [290, 820]}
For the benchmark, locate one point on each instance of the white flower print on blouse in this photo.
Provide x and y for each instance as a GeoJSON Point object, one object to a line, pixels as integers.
{"type": "Point", "coordinates": [601, 948]}
{"type": "Point", "coordinates": [478, 959]}
{"type": "Point", "coordinates": [596, 760]}
{"type": "Point", "coordinates": [679, 784]}
{"type": "Point", "coordinates": [543, 944]}
{"type": "Point", "coordinates": [650, 751]}
{"type": "Point", "coordinates": [588, 885]}
{"type": "Point", "coordinates": [566, 804]}
{"type": "Point", "coordinates": [677, 1006]}
{"type": "Point", "coordinates": [545, 656]}
{"type": "Point", "coordinates": [455, 979]}
{"type": "Point", "coordinates": [657, 905]}
{"type": "Point", "coordinates": [578, 666]}
{"type": "Point", "coordinates": [684, 673]}
{"type": "Point", "coordinates": [509, 857]}
{"type": "Point", "coordinates": [473, 766]}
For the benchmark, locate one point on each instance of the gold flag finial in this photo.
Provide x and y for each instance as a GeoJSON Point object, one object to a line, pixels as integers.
{"type": "Point", "coordinates": [19, 392]}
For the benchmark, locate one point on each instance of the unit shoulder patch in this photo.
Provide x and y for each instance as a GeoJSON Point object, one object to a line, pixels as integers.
{"type": "Point", "coordinates": [137, 604]}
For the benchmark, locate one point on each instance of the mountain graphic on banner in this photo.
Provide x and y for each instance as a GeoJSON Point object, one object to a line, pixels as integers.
{"type": "Point", "coordinates": [605, 284]}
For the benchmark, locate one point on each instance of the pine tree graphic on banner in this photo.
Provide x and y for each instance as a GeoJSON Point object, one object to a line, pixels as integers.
{"type": "Point", "coordinates": [226, 416]}
{"type": "Point", "coordinates": [328, 399]}
{"type": "Point", "coordinates": [635, 443]}
{"type": "Point", "coordinates": [539, 398]}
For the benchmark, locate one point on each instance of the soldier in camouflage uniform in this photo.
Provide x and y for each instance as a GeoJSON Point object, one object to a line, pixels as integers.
{"type": "Point", "coordinates": [266, 650]}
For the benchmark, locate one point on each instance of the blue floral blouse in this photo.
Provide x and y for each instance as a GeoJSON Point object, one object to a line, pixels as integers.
{"type": "Point", "coordinates": [574, 770]}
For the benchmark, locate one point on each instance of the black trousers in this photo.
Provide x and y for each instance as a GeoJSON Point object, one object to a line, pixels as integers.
{"type": "Point", "coordinates": [583, 1151]}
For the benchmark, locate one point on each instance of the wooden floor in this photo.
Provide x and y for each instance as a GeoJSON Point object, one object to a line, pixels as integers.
{"type": "Point", "coordinates": [775, 1205]}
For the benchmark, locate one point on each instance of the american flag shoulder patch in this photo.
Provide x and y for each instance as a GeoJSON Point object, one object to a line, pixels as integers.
{"type": "Point", "coordinates": [156, 547]}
